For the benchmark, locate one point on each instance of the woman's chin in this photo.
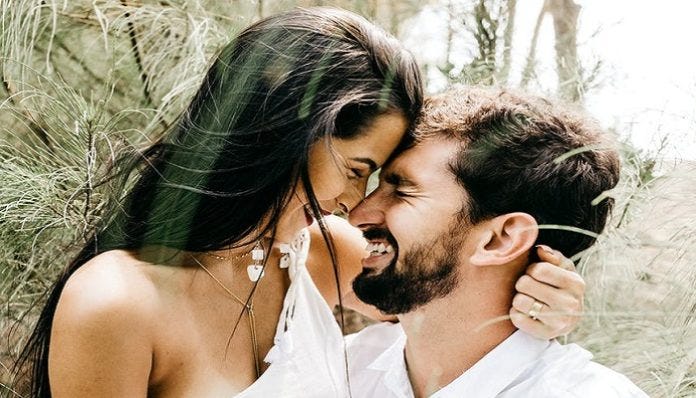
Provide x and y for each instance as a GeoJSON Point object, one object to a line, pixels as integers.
{"type": "Point", "coordinates": [287, 229]}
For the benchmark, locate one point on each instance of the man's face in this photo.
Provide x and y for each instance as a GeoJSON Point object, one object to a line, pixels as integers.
{"type": "Point", "coordinates": [414, 224]}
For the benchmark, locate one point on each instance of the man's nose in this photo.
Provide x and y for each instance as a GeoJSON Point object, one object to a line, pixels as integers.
{"type": "Point", "coordinates": [367, 213]}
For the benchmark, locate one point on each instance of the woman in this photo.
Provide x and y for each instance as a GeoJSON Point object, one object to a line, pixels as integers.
{"type": "Point", "coordinates": [204, 272]}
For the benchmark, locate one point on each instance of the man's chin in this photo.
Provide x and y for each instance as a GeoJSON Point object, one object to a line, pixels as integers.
{"type": "Point", "coordinates": [372, 271]}
{"type": "Point", "coordinates": [375, 286]}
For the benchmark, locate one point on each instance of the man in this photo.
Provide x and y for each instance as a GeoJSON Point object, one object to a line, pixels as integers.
{"type": "Point", "coordinates": [452, 226]}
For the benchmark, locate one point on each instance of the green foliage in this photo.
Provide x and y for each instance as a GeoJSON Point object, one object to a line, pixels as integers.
{"type": "Point", "coordinates": [84, 82]}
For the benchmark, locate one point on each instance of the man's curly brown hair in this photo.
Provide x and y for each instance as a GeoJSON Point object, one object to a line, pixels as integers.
{"type": "Point", "coordinates": [521, 153]}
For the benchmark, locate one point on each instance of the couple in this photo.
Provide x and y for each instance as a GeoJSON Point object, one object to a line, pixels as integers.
{"type": "Point", "coordinates": [452, 226]}
{"type": "Point", "coordinates": [216, 271]}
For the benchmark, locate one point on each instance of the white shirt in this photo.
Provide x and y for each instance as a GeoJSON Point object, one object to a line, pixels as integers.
{"type": "Point", "coordinates": [520, 366]}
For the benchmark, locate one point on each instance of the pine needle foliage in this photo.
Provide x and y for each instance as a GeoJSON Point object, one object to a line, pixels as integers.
{"type": "Point", "coordinates": [84, 82]}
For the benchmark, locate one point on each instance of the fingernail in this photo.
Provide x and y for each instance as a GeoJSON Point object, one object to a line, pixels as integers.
{"type": "Point", "coordinates": [546, 249]}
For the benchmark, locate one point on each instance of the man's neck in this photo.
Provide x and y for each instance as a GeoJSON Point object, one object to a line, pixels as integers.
{"type": "Point", "coordinates": [449, 335]}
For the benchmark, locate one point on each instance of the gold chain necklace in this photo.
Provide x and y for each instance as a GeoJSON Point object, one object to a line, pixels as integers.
{"type": "Point", "coordinates": [248, 307]}
{"type": "Point", "coordinates": [255, 270]}
{"type": "Point", "coordinates": [222, 258]}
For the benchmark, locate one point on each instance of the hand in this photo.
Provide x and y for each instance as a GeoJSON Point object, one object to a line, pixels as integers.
{"type": "Point", "coordinates": [558, 289]}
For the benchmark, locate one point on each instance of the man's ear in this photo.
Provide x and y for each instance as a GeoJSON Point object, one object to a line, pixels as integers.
{"type": "Point", "coordinates": [504, 239]}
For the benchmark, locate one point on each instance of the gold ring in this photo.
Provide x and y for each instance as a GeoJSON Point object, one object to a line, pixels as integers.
{"type": "Point", "coordinates": [535, 310]}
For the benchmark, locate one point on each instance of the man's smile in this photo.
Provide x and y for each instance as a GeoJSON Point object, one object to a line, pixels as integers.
{"type": "Point", "coordinates": [380, 255]}
{"type": "Point", "coordinates": [381, 248]}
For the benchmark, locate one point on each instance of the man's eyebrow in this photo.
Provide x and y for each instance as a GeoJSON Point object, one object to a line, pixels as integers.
{"type": "Point", "coordinates": [369, 162]}
{"type": "Point", "coordinates": [395, 179]}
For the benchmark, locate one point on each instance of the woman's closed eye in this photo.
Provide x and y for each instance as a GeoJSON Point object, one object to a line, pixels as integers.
{"type": "Point", "coordinates": [355, 174]}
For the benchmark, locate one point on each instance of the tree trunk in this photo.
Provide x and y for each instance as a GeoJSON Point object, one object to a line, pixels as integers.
{"type": "Point", "coordinates": [565, 23]}
{"type": "Point", "coordinates": [504, 71]}
{"type": "Point", "coordinates": [450, 37]}
{"type": "Point", "coordinates": [486, 36]}
{"type": "Point", "coordinates": [530, 64]}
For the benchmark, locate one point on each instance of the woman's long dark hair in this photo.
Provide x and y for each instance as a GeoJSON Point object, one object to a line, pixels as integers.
{"type": "Point", "coordinates": [223, 175]}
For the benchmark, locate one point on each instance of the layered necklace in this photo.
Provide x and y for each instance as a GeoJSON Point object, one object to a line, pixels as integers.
{"type": "Point", "coordinates": [255, 272]}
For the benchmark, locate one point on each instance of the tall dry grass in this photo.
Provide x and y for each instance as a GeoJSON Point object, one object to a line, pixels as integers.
{"type": "Point", "coordinates": [641, 298]}
{"type": "Point", "coordinates": [84, 81]}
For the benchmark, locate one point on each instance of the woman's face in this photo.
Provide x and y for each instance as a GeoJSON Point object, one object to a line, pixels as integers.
{"type": "Point", "coordinates": [339, 170]}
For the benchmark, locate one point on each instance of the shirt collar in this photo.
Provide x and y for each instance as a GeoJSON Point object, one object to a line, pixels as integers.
{"type": "Point", "coordinates": [491, 375]}
{"type": "Point", "coordinates": [392, 362]}
{"type": "Point", "coordinates": [497, 369]}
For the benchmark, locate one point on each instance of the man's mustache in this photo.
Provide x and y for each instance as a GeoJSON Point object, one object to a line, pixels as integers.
{"type": "Point", "coordinates": [380, 233]}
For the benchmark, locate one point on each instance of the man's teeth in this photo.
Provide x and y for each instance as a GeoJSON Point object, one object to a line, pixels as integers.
{"type": "Point", "coordinates": [378, 248]}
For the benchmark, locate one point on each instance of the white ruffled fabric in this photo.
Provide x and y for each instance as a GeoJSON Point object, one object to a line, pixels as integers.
{"type": "Point", "coordinates": [307, 359]}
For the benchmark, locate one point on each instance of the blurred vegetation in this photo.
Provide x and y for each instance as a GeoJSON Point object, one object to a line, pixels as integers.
{"type": "Point", "coordinates": [83, 81]}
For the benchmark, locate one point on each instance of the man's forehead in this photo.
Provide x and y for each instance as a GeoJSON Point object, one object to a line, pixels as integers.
{"type": "Point", "coordinates": [428, 155]}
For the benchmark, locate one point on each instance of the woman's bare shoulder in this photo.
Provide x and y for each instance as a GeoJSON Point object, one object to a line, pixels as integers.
{"type": "Point", "coordinates": [103, 329]}
{"type": "Point", "coordinates": [110, 283]}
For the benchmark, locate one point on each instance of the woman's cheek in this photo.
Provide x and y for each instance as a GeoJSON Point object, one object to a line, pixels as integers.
{"type": "Point", "coordinates": [327, 187]}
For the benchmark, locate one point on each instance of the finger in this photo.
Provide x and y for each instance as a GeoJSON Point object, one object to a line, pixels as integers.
{"type": "Point", "coordinates": [554, 276]}
{"type": "Point", "coordinates": [558, 301]}
{"type": "Point", "coordinates": [556, 298]}
{"type": "Point", "coordinates": [543, 313]}
{"type": "Point", "coordinates": [522, 303]}
{"type": "Point", "coordinates": [534, 327]}
{"type": "Point", "coordinates": [541, 327]}
{"type": "Point", "coordinates": [554, 257]}
{"type": "Point", "coordinates": [561, 325]}
{"type": "Point", "coordinates": [555, 322]}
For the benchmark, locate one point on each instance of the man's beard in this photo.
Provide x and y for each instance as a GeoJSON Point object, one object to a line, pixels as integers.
{"type": "Point", "coordinates": [429, 271]}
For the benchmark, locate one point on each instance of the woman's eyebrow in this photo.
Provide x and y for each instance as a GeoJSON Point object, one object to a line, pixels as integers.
{"type": "Point", "coordinates": [367, 161]}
